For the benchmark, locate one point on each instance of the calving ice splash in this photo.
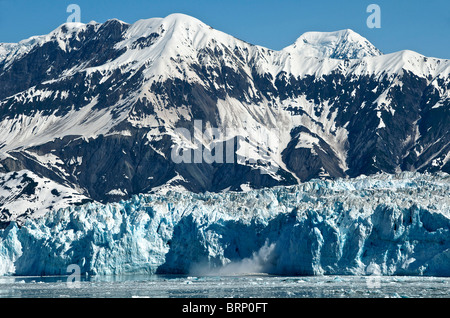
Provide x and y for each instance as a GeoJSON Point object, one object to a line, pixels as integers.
{"type": "Point", "coordinates": [384, 225]}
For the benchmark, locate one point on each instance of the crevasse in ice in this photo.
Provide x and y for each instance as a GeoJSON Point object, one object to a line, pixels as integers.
{"type": "Point", "coordinates": [391, 225]}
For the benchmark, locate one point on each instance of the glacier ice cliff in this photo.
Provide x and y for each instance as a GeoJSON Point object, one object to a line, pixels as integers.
{"type": "Point", "coordinates": [398, 225]}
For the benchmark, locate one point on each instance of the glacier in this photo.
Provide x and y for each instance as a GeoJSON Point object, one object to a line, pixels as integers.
{"type": "Point", "coordinates": [383, 224]}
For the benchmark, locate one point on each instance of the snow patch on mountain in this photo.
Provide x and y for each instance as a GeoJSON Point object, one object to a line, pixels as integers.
{"type": "Point", "coordinates": [26, 131]}
{"type": "Point", "coordinates": [399, 62]}
{"type": "Point", "coordinates": [24, 195]}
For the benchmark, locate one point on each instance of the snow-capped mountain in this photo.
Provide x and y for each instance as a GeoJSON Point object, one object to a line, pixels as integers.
{"type": "Point", "coordinates": [344, 44]}
{"type": "Point", "coordinates": [100, 108]}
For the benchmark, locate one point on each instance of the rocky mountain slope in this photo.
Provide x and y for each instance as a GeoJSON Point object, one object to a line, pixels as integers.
{"type": "Point", "coordinates": [100, 109]}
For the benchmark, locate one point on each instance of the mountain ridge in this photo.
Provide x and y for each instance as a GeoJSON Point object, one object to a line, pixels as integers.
{"type": "Point", "coordinates": [342, 44]}
{"type": "Point", "coordinates": [99, 108]}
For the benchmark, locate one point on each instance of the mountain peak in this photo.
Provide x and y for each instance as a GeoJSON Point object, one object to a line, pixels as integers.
{"type": "Point", "coordinates": [174, 20]}
{"type": "Point", "coordinates": [342, 44]}
{"type": "Point", "coordinates": [182, 18]}
{"type": "Point", "coordinates": [107, 109]}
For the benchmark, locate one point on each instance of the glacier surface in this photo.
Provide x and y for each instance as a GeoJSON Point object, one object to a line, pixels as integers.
{"type": "Point", "coordinates": [383, 225]}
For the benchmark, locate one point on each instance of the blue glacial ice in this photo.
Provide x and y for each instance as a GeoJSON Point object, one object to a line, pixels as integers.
{"type": "Point", "coordinates": [383, 224]}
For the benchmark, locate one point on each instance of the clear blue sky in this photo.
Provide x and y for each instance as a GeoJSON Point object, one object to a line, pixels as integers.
{"type": "Point", "coordinates": [421, 26]}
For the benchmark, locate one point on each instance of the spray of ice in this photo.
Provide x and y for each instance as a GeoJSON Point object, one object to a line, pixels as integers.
{"type": "Point", "coordinates": [261, 262]}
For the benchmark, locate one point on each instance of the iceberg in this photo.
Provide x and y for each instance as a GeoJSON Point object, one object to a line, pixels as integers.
{"type": "Point", "coordinates": [388, 224]}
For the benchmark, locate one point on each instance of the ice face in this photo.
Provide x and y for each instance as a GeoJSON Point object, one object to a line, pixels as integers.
{"type": "Point", "coordinates": [397, 225]}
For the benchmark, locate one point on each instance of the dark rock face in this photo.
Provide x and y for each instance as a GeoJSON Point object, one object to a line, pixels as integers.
{"type": "Point", "coordinates": [48, 61]}
{"type": "Point", "coordinates": [391, 121]}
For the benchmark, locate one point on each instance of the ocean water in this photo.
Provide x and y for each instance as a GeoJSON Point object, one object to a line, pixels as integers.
{"type": "Point", "coordinates": [245, 286]}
